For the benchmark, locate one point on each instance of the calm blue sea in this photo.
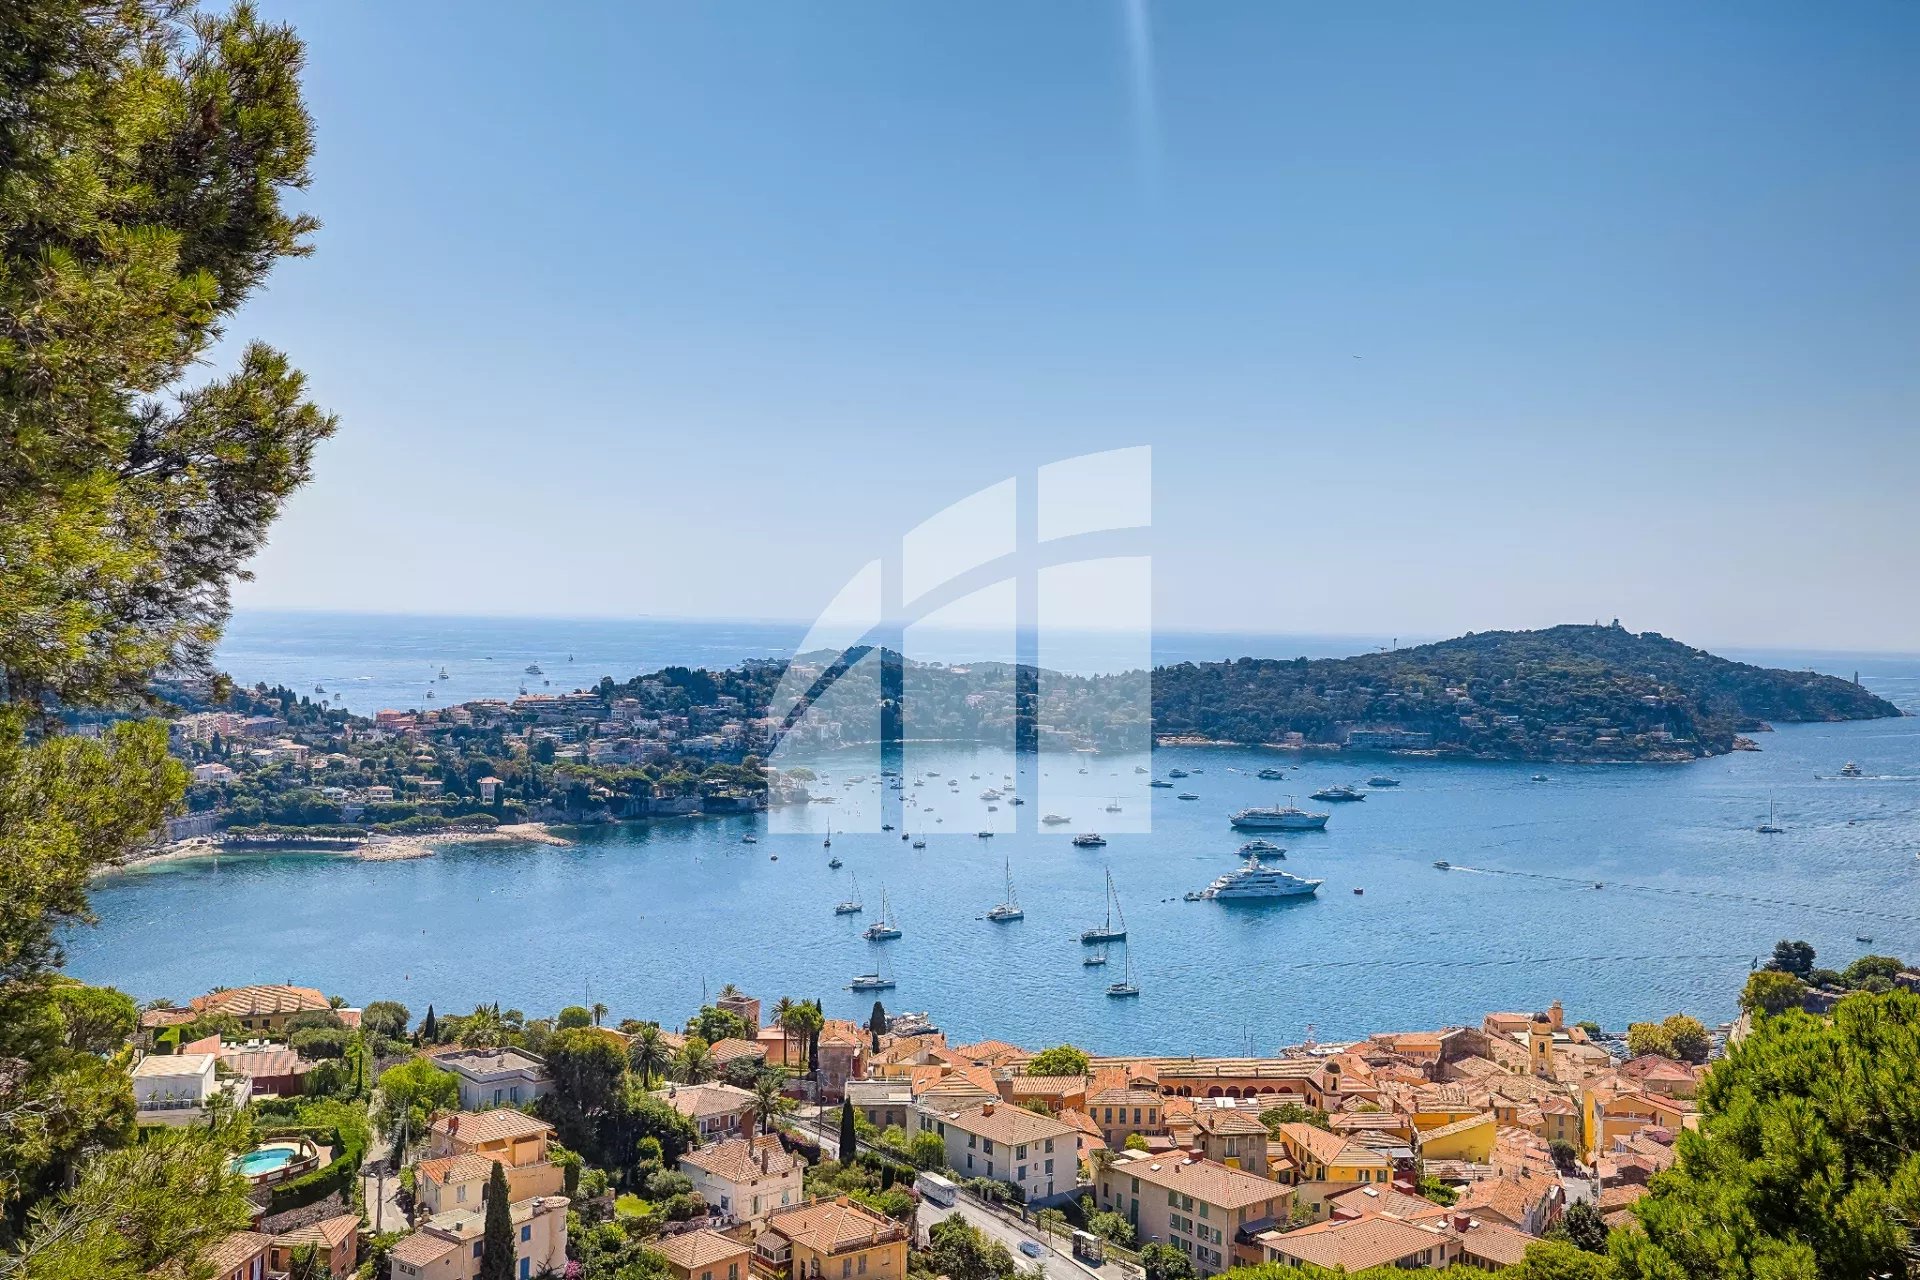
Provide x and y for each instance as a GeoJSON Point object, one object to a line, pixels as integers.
{"type": "Point", "coordinates": [646, 918]}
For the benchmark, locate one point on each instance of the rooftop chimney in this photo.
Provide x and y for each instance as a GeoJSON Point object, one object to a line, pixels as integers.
{"type": "Point", "coordinates": [1461, 1222]}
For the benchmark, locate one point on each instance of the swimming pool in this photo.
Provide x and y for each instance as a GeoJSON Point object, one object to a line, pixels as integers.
{"type": "Point", "coordinates": [264, 1160]}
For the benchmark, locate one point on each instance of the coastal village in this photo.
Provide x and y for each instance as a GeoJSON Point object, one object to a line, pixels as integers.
{"type": "Point", "coordinates": [769, 1142]}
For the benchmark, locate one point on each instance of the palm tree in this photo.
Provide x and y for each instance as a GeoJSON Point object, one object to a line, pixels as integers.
{"type": "Point", "coordinates": [768, 1102]}
{"type": "Point", "coordinates": [648, 1053]}
{"type": "Point", "coordinates": [782, 1018]}
{"type": "Point", "coordinates": [806, 1021]}
{"type": "Point", "coordinates": [695, 1064]}
{"type": "Point", "coordinates": [599, 1012]}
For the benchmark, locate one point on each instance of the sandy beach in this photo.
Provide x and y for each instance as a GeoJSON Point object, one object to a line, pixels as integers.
{"type": "Point", "coordinates": [374, 848]}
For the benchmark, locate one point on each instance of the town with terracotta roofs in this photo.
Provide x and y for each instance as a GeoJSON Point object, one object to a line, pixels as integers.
{"type": "Point", "coordinates": [770, 1142]}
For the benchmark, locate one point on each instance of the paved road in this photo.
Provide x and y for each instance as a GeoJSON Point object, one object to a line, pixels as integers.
{"type": "Point", "coordinates": [823, 1123]}
{"type": "Point", "coordinates": [1056, 1262]}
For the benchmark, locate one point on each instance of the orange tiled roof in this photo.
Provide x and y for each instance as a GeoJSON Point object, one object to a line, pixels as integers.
{"type": "Point", "coordinates": [328, 1233]}
{"type": "Point", "coordinates": [447, 1170]}
{"type": "Point", "coordinates": [1009, 1124]}
{"type": "Point", "coordinates": [233, 1250]}
{"type": "Point", "coordinates": [1496, 1242]}
{"type": "Point", "coordinates": [692, 1250]}
{"type": "Point", "coordinates": [1206, 1180]}
{"type": "Point", "coordinates": [1457, 1127]}
{"type": "Point", "coordinates": [496, 1125]}
{"type": "Point", "coordinates": [739, 1161]}
{"type": "Point", "coordinates": [1356, 1244]}
{"type": "Point", "coordinates": [265, 1000]}
{"type": "Point", "coordinates": [834, 1226]}
{"type": "Point", "coordinates": [422, 1248]}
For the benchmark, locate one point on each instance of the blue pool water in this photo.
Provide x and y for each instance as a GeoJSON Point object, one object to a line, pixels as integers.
{"type": "Point", "coordinates": [263, 1160]}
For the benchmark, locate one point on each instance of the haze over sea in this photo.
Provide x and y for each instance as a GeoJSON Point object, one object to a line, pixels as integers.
{"type": "Point", "coordinates": [658, 913]}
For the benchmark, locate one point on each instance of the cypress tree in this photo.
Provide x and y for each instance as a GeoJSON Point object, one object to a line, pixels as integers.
{"type": "Point", "coordinates": [848, 1141]}
{"type": "Point", "coordinates": [497, 1247]}
{"type": "Point", "coordinates": [877, 1024]}
{"type": "Point", "coordinates": [429, 1027]}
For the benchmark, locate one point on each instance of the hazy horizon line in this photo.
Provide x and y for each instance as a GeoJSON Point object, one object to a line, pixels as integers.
{"type": "Point", "coordinates": [1412, 639]}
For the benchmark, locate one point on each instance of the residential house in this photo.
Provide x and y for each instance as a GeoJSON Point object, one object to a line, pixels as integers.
{"type": "Point", "coordinates": [1204, 1209]}
{"type": "Point", "coordinates": [717, 1110]}
{"type": "Point", "coordinates": [746, 1178]}
{"type": "Point", "coordinates": [1056, 1093]}
{"type": "Point", "coordinates": [270, 1070]}
{"type": "Point", "coordinates": [1123, 1112]}
{"type": "Point", "coordinates": [497, 1077]}
{"type": "Point", "coordinates": [883, 1103]}
{"type": "Point", "coordinates": [335, 1243]}
{"type": "Point", "coordinates": [704, 1255]}
{"type": "Point", "coordinates": [1039, 1154]}
{"type": "Point", "coordinates": [463, 1148]}
{"type": "Point", "coordinates": [833, 1240]}
{"type": "Point", "coordinates": [240, 1256]}
{"type": "Point", "coordinates": [264, 1007]}
{"type": "Point", "coordinates": [174, 1088]}
{"type": "Point", "coordinates": [1231, 1135]}
{"type": "Point", "coordinates": [1468, 1139]}
{"type": "Point", "coordinates": [1324, 1164]}
{"type": "Point", "coordinates": [448, 1247]}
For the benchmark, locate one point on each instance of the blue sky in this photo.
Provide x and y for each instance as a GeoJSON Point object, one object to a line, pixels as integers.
{"type": "Point", "coordinates": [1498, 316]}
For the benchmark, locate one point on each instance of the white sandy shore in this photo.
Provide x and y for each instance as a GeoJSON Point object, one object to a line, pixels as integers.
{"type": "Point", "coordinates": [375, 848]}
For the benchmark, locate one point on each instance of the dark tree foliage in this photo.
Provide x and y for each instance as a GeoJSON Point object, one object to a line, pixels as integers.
{"type": "Point", "coordinates": [498, 1248]}
{"type": "Point", "coordinates": [1807, 1161]}
{"type": "Point", "coordinates": [145, 151]}
{"type": "Point", "coordinates": [849, 1140]}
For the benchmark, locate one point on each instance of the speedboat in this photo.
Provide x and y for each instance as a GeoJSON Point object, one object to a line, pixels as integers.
{"type": "Point", "coordinates": [1176, 773]}
{"type": "Point", "coordinates": [1089, 840]}
{"type": "Point", "coordinates": [1340, 793]}
{"type": "Point", "coordinates": [1157, 783]}
{"type": "Point", "coordinates": [1538, 777]}
{"type": "Point", "coordinates": [1270, 775]}
{"type": "Point", "coordinates": [1256, 881]}
{"type": "Point", "coordinates": [1382, 780]}
{"type": "Point", "coordinates": [1444, 865]}
{"type": "Point", "coordinates": [1055, 820]}
{"type": "Point", "coordinates": [749, 840]}
{"type": "Point", "coordinates": [1278, 818]}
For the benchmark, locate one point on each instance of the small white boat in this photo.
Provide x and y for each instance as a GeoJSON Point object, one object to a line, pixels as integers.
{"type": "Point", "coordinates": [1055, 820]}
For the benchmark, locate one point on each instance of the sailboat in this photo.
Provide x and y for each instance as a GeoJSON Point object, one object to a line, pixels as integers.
{"type": "Point", "coordinates": [828, 842]}
{"type": "Point", "coordinates": [884, 929]}
{"type": "Point", "coordinates": [1008, 910]}
{"type": "Point", "coordinates": [878, 980]}
{"type": "Point", "coordinates": [1126, 987]}
{"type": "Point", "coordinates": [1768, 828]}
{"type": "Point", "coordinates": [851, 907]}
{"type": "Point", "coordinates": [1094, 958]}
{"type": "Point", "coordinates": [1106, 932]}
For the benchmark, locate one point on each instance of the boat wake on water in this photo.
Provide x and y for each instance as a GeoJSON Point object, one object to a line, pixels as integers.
{"type": "Point", "coordinates": [1585, 882]}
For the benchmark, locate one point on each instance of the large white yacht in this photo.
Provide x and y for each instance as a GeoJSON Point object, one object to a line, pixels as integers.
{"type": "Point", "coordinates": [1256, 880]}
{"type": "Point", "coordinates": [1278, 818]}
